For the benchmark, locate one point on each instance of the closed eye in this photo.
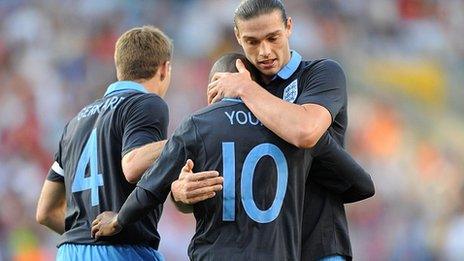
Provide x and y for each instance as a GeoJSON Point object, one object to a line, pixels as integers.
{"type": "Point", "coordinates": [252, 42]}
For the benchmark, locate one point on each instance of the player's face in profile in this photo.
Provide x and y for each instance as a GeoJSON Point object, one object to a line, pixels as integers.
{"type": "Point", "coordinates": [264, 40]}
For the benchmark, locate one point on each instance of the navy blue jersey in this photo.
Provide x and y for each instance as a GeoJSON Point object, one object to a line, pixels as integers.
{"type": "Point", "coordinates": [322, 82]}
{"type": "Point", "coordinates": [88, 161]}
{"type": "Point", "coordinates": [259, 212]}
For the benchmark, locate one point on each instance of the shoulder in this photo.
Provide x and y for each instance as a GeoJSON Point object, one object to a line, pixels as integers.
{"type": "Point", "coordinates": [146, 98]}
{"type": "Point", "coordinates": [322, 66]}
{"type": "Point", "coordinates": [146, 102]}
{"type": "Point", "coordinates": [144, 107]}
{"type": "Point", "coordinates": [69, 127]}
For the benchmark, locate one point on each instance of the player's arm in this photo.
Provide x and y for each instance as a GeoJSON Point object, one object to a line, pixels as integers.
{"type": "Point", "coordinates": [136, 206]}
{"type": "Point", "coordinates": [155, 184]}
{"type": "Point", "coordinates": [137, 161]}
{"type": "Point", "coordinates": [144, 135]}
{"type": "Point", "coordinates": [192, 187]}
{"type": "Point", "coordinates": [352, 182]}
{"type": "Point", "coordinates": [141, 200]}
{"type": "Point", "coordinates": [299, 124]}
{"type": "Point", "coordinates": [51, 207]}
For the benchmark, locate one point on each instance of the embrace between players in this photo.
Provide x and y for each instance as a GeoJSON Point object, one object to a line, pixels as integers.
{"type": "Point", "coordinates": [262, 168]}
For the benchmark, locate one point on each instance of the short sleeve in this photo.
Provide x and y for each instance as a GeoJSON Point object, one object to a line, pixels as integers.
{"type": "Point", "coordinates": [324, 84]}
{"type": "Point", "coordinates": [184, 144]}
{"type": "Point", "coordinates": [146, 121]}
{"type": "Point", "coordinates": [56, 172]}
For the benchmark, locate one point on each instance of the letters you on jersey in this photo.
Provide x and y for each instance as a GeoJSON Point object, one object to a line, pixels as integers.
{"type": "Point", "coordinates": [291, 91]}
{"type": "Point", "coordinates": [242, 118]}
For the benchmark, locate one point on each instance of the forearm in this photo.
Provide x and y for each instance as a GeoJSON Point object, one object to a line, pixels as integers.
{"type": "Point", "coordinates": [51, 208]}
{"type": "Point", "coordinates": [147, 154]}
{"type": "Point", "coordinates": [137, 205]}
{"type": "Point", "coordinates": [55, 221]}
{"type": "Point", "coordinates": [136, 162]}
{"type": "Point", "coordinates": [356, 183]}
{"type": "Point", "coordinates": [287, 120]}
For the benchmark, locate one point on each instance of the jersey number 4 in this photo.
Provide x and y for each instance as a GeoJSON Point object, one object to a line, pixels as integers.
{"type": "Point", "coordinates": [249, 165]}
{"type": "Point", "coordinates": [89, 156]}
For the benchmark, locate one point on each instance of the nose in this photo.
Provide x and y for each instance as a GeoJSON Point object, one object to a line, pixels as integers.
{"type": "Point", "coordinates": [264, 49]}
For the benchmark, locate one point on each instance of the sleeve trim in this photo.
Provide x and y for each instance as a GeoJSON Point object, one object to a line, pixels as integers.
{"type": "Point", "coordinates": [57, 169]}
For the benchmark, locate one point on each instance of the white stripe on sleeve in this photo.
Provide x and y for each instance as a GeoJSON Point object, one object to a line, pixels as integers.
{"type": "Point", "coordinates": [57, 168]}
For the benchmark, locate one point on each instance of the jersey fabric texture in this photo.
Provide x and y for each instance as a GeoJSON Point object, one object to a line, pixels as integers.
{"type": "Point", "coordinates": [322, 82]}
{"type": "Point", "coordinates": [88, 161]}
{"type": "Point", "coordinates": [258, 215]}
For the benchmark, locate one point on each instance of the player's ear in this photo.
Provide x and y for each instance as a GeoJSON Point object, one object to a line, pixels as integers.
{"type": "Point", "coordinates": [165, 70]}
{"type": "Point", "coordinates": [237, 35]}
{"type": "Point", "coordinates": [289, 26]}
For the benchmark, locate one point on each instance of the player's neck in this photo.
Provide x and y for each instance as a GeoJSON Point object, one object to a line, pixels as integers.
{"type": "Point", "coordinates": [266, 79]}
{"type": "Point", "coordinates": [153, 86]}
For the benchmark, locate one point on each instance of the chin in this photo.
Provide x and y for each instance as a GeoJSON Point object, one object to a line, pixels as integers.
{"type": "Point", "coordinates": [267, 72]}
{"type": "Point", "coordinates": [270, 73]}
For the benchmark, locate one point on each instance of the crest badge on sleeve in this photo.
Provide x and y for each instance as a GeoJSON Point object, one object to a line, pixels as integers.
{"type": "Point", "coordinates": [291, 91]}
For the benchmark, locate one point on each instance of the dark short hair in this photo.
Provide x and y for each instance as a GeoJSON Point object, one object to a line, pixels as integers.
{"type": "Point", "coordinates": [226, 63]}
{"type": "Point", "coordinates": [252, 8]}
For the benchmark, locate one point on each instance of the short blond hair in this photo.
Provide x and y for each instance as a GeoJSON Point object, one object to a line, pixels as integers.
{"type": "Point", "coordinates": [140, 51]}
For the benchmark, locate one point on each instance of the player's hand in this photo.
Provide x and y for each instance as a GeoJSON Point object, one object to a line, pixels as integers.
{"type": "Point", "coordinates": [228, 84]}
{"type": "Point", "coordinates": [191, 187]}
{"type": "Point", "coordinates": [105, 224]}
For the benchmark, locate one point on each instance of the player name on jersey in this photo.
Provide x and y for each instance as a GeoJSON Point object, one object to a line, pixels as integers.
{"type": "Point", "coordinates": [242, 118]}
{"type": "Point", "coordinates": [101, 107]}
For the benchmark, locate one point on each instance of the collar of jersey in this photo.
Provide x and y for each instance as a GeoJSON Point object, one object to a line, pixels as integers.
{"type": "Point", "coordinates": [232, 100]}
{"type": "Point", "coordinates": [125, 86]}
{"type": "Point", "coordinates": [290, 67]}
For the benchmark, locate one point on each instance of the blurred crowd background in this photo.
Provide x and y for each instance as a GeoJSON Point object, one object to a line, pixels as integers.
{"type": "Point", "coordinates": [404, 61]}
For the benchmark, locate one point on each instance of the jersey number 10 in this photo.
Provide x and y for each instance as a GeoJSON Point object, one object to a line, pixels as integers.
{"type": "Point", "coordinates": [89, 156]}
{"type": "Point", "coordinates": [249, 165]}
